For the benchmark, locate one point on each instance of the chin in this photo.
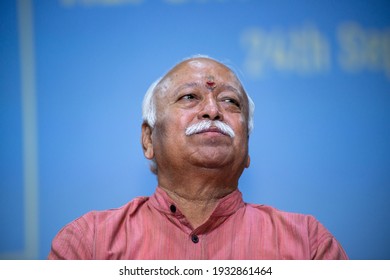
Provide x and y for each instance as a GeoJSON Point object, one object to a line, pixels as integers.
{"type": "Point", "coordinates": [214, 163]}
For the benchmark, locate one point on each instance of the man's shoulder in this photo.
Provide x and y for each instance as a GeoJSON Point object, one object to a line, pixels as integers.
{"type": "Point", "coordinates": [297, 226]}
{"type": "Point", "coordinates": [273, 213]}
{"type": "Point", "coordinates": [111, 218]}
{"type": "Point", "coordinates": [128, 209]}
{"type": "Point", "coordinates": [76, 239]}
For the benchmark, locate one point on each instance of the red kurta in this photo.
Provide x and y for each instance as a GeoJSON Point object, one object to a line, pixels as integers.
{"type": "Point", "coordinates": [154, 228]}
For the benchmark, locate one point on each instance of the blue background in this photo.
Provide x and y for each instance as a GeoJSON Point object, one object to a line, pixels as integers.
{"type": "Point", "coordinates": [318, 71]}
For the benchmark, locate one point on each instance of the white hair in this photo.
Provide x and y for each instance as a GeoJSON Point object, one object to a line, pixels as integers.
{"type": "Point", "coordinates": [149, 112]}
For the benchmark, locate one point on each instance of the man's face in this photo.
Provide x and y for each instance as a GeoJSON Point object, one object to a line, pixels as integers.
{"type": "Point", "coordinates": [194, 91]}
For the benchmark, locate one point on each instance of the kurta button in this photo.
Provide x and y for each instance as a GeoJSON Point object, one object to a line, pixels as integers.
{"type": "Point", "coordinates": [172, 208]}
{"type": "Point", "coordinates": [195, 238]}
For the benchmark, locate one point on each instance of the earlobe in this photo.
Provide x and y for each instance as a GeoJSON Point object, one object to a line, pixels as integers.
{"type": "Point", "coordinates": [248, 161]}
{"type": "Point", "coordinates": [146, 141]}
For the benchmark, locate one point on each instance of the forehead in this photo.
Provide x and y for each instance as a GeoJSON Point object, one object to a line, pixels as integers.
{"type": "Point", "coordinates": [201, 69]}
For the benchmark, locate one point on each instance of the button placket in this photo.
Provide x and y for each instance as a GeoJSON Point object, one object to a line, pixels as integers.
{"type": "Point", "coordinates": [194, 238]}
{"type": "Point", "coordinates": [172, 208]}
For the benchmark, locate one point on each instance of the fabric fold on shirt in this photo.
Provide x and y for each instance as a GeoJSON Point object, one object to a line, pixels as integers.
{"type": "Point", "coordinates": [154, 228]}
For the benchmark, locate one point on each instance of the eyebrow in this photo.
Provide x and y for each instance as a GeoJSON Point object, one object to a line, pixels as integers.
{"type": "Point", "coordinates": [186, 85]}
{"type": "Point", "coordinates": [231, 88]}
{"type": "Point", "coordinates": [196, 84]}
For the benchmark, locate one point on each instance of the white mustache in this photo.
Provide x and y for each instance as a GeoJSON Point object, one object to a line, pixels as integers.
{"type": "Point", "coordinates": [207, 124]}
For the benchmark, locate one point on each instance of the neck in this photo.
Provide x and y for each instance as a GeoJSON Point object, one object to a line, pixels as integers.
{"type": "Point", "coordinates": [198, 196]}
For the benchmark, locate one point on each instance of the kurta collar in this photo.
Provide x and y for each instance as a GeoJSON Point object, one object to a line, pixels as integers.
{"type": "Point", "coordinates": [227, 206]}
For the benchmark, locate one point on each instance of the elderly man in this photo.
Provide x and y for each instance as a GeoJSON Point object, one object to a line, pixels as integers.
{"type": "Point", "coordinates": [197, 120]}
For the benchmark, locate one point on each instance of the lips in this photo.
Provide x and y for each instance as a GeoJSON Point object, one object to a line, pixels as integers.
{"type": "Point", "coordinates": [212, 129]}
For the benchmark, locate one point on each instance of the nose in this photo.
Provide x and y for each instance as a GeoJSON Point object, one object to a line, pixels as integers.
{"type": "Point", "coordinates": [210, 110]}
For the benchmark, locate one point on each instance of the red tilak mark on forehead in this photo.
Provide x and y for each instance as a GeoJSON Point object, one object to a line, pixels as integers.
{"type": "Point", "coordinates": [210, 84]}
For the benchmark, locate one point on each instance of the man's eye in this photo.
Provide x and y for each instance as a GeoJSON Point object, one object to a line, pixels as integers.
{"type": "Point", "coordinates": [189, 96]}
{"type": "Point", "coordinates": [232, 101]}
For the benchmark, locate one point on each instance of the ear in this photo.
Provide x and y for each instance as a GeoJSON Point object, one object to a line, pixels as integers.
{"type": "Point", "coordinates": [248, 161]}
{"type": "Point", "coordinates": [146, 141]}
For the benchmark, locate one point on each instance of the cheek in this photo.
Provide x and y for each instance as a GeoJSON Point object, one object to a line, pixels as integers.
{"type": "Point", "coordinates": [241, 124]}
{"type": "Point", "coordinates": [171, 125]}
{"type": "Point", "coordinates": [242, 120]}
{"type": "Point", "coordinates": [241, 131]}
{"type": "Point", "coordinates": [158, 130]}
{"type": "Point", "coordinates": [244, 124]}
{"type": "Point", "coordinates": [181, 119]}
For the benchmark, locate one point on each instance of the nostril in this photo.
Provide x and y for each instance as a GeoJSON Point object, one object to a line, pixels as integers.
{"type": "Point", "coordinates": [207, 116]}
{"type": "Point", "coordinates": [211, 112]}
